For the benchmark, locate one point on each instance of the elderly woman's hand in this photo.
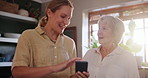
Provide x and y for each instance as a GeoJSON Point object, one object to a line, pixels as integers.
{"type": "Point", "coordinates": [80, 75]}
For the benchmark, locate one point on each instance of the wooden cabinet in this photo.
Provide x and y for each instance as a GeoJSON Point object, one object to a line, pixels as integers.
{"type": "Point", "coordinates": [143, 72]}
{"type": "Point", "coordinates": [5, 72]}
{"type": "Point", "coordinates": [17, 17]}
{"type": "Point", "coordinates": [11, 23]}
{"type": "Point", "coordinates": [14, 23]}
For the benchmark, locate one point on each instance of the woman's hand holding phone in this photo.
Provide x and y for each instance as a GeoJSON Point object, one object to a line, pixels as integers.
{"type": "Point", "coordinates": [81, 69]}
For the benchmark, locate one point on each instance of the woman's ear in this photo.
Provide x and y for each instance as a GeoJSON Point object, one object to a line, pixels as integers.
{"type": "Point", "coordinates": [48, 12]}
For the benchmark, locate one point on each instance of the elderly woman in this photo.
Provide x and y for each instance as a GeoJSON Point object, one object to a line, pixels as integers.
{"type": "Point", "coordinates": [109, 60]}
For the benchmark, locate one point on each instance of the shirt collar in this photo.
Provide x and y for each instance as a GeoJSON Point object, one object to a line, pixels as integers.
{"type": "Point", "coordinates": [97, 50]}
{"type": "Point", "coordinates": [116, 51]}
{"type": "Point", "coordinates": [39, 30]}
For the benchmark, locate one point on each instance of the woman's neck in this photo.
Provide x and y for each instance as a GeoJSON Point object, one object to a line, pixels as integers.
{"type": "Point", "coordinates": [107, 49]}
{"type": "Point", "coordinates": [51, 34]}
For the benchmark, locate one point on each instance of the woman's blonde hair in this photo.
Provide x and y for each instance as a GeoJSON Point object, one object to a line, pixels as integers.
{"type": "Point", "coordinates": [54, 5]}
{"type": "Point", "coordinates": [116, 25]}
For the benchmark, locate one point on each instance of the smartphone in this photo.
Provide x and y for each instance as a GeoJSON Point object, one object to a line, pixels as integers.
{"type": "Point", "coordinates": [81, 66]}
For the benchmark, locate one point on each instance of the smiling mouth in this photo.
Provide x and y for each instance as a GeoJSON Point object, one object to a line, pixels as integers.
{"type": "Point", "coordinates": [62, 25]}
{"type": "Point", "coordinates": [100, 37]}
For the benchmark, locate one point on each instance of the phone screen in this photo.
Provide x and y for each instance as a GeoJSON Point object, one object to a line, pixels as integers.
{"type": "Point", "coordinates": [81, 66]}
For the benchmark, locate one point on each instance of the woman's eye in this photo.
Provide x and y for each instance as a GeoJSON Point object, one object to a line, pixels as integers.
{"type": "Point", "coordinates": [63, 16]}
{"type": "Point", "coordinates": [104, 28]}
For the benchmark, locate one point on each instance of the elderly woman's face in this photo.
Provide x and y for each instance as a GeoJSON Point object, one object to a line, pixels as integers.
{"type": "Point", "coordinates": [105, 33]}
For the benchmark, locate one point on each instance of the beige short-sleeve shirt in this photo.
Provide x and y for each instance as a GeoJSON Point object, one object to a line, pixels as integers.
{"type": "Point", "coordinates": [35, 49]}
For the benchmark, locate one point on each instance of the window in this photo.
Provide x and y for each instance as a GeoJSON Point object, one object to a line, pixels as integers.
{"type": "Point", "coordinates": [138, 13]}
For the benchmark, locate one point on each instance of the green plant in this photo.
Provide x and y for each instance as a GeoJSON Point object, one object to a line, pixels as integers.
{"type": "Point", "coordinates": [94, 43]}
{"type": "Point", "coordinates": [130, 45]}
{"type": "Point", "coordinates": [144, 64]}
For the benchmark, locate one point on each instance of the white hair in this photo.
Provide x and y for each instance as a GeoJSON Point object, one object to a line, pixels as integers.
{"type": "Point", "coordinates": [116, 25]}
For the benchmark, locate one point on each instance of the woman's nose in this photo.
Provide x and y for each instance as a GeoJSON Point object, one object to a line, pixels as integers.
{"type": "Point", "coordinates": [66, 22]}
{"type": "Point", "coordinates": [99, 31]}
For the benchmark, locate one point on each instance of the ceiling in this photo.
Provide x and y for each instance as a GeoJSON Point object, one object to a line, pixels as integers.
{"type": "Point", "coordinates": [41, 1]}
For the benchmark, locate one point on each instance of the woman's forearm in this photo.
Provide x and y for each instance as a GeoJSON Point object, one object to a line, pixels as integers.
{"type": "Point", "coordinates": [31, 72]}
{"type": "Point", "coordinates": [38, 72]}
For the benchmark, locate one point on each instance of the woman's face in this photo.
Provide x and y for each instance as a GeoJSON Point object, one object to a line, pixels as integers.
{"type": "Point", "coordinates": [59, 20]}
{"type": "Point", "coordinates": [105, 34]}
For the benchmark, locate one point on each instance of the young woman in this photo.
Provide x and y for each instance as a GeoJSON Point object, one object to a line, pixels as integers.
{"type": "Point", "coordinates": [45, 52]}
